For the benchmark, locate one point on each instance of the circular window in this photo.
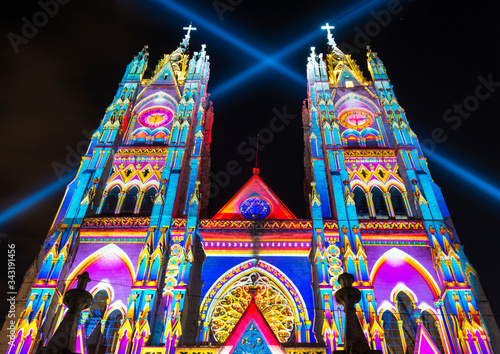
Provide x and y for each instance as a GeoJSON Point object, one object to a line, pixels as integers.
{"type": "Point", "coordinates": [356, 119]}
{"type": "Point", "coordinates": [155, 117]}
{"type": "Point", "coordinates": [255, 208]}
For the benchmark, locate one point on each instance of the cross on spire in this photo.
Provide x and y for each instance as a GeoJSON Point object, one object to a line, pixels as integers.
{"type": "Point", "coordinates": [189, 29]}
{"type": "Point", "coordinates": [328, 27]}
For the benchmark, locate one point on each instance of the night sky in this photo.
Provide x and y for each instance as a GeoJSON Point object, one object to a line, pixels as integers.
{"type": "Point", "coordinates": [58, 83]}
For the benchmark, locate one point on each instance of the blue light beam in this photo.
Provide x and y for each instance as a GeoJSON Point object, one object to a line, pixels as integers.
{"type": "Point", "coordinates": [35, 198]}
{"type": "Point", "coordinates": [229, 38]}
{"type": "Point", "coordinates": [346, 16]}
{"type": "Point", "coordinates": [465, 175]}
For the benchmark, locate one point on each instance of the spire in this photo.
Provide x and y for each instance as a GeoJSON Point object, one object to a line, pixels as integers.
{"type": "Point", "coordinates": [338, 62]}
{"type": "Point", "coordinates": [185, 41]}
{"type": "Point", "coordinates": [331, 41]}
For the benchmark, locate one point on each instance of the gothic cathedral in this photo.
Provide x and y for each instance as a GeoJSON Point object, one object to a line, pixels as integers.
{"type": "Point", "coordinates": [253, 278]}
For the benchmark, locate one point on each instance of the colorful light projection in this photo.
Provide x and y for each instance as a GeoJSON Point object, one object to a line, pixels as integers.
{"type": "Point", "coordinates": [356, 111]}
{"type": "Point", "coordinates": [356, 119]}
{"type": "Point", "coordinates": [255, 208]}
{"type": "Point", "coordinates": [276, 296]}
{"type": "Point", "coordinates": [254, 201]}
{"type": "Point", "coordinates": [252, 334]}
{"type": "Point", "coordinates": [268, 298]}
{"type": "Point", "coordinates": [156, 117]}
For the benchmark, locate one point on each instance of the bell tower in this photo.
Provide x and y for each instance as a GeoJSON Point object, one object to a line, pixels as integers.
{"type": "Point", "coordinates": [146, 165]}
{"type": "Point", "coordinates": [366, 170]}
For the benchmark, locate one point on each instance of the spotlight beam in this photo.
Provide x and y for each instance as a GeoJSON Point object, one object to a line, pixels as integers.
{"type": "Point", "coordinates": [35, 198]}
{"type": "Point", "coordinates": [231, 39]}
{"type": "Point", "coordinates": [348, 15]}
{"type": "Point", "coordinates": [465, 175]}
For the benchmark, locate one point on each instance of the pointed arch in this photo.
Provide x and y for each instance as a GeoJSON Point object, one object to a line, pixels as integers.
{"type": "Point", "coordinates": [406, 306]}
{"type": "Point", "coordinates": [130, 200]}
{"type": "Point", "coordinates": [148, 200]}
{"type": "Point", "coordinates": [395, 253]}
{"type": "Point", "coordinates": [156, 97]}
{"type": "Point", "coordinates": [110, 330]}
{"type": "Point", "coordinates": [397, 201]}
{"type": "Point", "coordinates": [349, 134]}
{"type": "Point", "coordinates": [96, 257]}
{"type": "Point", "coordinates": [226, 281]}
{"type": "Point", "coordinates": [391, 333]}
{"type": "Point", "coordinates": [379, 203]}
{"type": "Point", "coordinates": [111, 201]}
{"type": "Point", "coordinates": [432, 324]}
{"type": "Point", "coordinates": [370, 133]}
{"type": "Point", "coordinates": [366, 103]}
{"type": "Point", "coordinates": [402, 288]}
{"type": "Point", "coordinates": [360, 202]}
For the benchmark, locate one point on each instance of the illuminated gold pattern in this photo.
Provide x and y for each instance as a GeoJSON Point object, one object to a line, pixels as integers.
{"type": "Point", "coordinates": [269, 299]}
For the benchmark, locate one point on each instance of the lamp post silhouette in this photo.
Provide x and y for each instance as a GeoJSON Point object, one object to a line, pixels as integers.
{"type": "Point", "coordinates": [354, 338]}
{"type": "Point", "coordinates": [64, 339]}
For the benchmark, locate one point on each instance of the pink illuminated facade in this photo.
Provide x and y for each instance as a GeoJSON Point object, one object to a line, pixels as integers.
{"type": "Point", "coordinates": [254, 278]}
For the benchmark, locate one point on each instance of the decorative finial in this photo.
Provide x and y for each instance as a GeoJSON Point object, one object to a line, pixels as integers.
{"type": "Point", "coordinates": [83, 279]}
{"type": "Point", "coordinates": [331, 41]}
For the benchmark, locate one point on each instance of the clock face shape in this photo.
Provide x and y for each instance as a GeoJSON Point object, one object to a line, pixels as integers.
{"type": "Point", "coordinates": [356, 119]}
{"type": "Point", "coordinates": [155, 117]}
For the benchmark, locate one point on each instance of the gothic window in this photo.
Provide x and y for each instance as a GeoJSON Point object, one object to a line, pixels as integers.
{"type": "Point", "coordinates": [361, 204]}
{"type": "Point", "coordinates": [371, 143]}
{"type": "Point", "coordinates": [391, 333]}
{"type": "Point", "coordinates": [352, 143]}
{"type": "Point", "coordinates": [110, 333]}
{"type": "Point", "coordinates": [398, 204]}
{"type": "Point", "coordinates": [111, 201]}
{"type": "Point", "coordinates": [148, 201]}
{"type": "Point", "coordinates": [432, 326]}
{"type": "Point", "coordinates": [405, 308]}
{"type": "Point", "coordinates": [130, 201]}
{"type": "Point", "coordinates": [379, 204]}
{"type": "Point", "coordinates": [93, 323]}
{"type": "Point", "coordinates": [269, 298]}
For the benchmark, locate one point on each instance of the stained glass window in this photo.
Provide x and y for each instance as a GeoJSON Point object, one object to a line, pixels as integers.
{"type": "Point", "coordinates": [252, 342]}
{"type": "Point", "coordinates": [269, 299]}
{"type": "Point", "coordinates": [255, 208]}
{"type": "Point", "coordinates": [93, 323]}
{"type": "Point", "coordinates": [110, 333]}
{"type": "Point", "coordinates": [148, 201]}
{"type": "Point", "coordinates": [130, 201]}
{"type": "Point", "coordinates": [391, 333]}
{"type": "Point", "coordinates": [379, 204]}
{"type": "Point", "coordinates": [111, 201]}
{"type": "Point", "coordinates": [361, 204]}
{"type": "Point", "coordinates": [398, 204]}
{"type": "Point", "coordinates": [405, 308]}
{"type": "Point", "coordinates": [431, 325]}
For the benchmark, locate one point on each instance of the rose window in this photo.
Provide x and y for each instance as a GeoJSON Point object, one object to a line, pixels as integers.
{"type": "Point", "coordinates": [255, 208]}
